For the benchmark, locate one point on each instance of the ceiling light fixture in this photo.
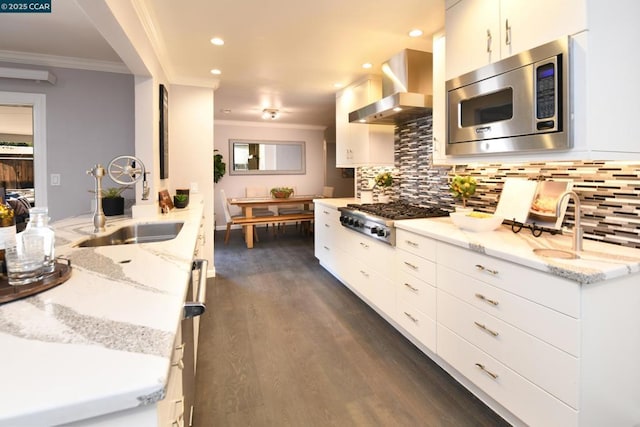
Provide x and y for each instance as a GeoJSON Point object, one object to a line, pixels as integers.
{"type": "Point", "coordinates": [367, 65]}
{"type": "Point", "coordinates": [270, 113]}
{"type": "Point", "coordinates": [216, 72]}
{"type": "Point", "coordinates": [217, 41]}
{"type": "Point", "coordinates": [415, 32]}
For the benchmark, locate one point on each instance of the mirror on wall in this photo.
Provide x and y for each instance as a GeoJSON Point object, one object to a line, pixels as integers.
{"type": "Point", "coordinates": [252, 157]}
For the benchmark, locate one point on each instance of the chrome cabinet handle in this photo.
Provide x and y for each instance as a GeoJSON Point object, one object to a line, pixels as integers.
{"type": "Point", "coordinates": [325, 212]}
{"type": "Point", "coordinates": [408, 264]}
{"type": "Point", "coordinates": [488, 40]}
{"type": "Point", "coordinates": [483, 268]}
{"type": "Point", "coordinates": [410, 243]}
{"type": "Point", "coordinates": [364, 273]}
{"type": "Point", "coordinates": [507, 31]}
{"type": "Point", "coordinates": [487, 330]}
{"type": "Point", "coordinates": [327, 248]}
{"type": "Point", "coordinates": [491, 374]}
{"type": "Point", "coordinates": [364, 245]}
{"type": "Point", "coordinates": [411, 287]}
{"type": "Point", "coordinates": [327, 226]}
{"type": "Point", "coordinates": [413, 319]}
{"type": "Point", "coordinates": [196, 308]}
{"type": "Point", "coordinates": [487, 300]}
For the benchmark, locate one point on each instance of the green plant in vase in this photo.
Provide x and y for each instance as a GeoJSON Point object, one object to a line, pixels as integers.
{"type": "Point", "coordinates": [219, 166]}
{"type": "Point", "coordinates": [384, 180]}
{"type": "Point", "coordinates": [181, 200]}
{"type": "Point", "coordinates": [463, 187]}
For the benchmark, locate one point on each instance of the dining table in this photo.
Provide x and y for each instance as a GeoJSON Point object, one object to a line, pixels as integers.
{"type": "Point", "coordinates": [248, 203]}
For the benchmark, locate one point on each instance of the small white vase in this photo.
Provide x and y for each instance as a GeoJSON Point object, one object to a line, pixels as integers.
{"type": "Point", "coordinates": [461, 209]}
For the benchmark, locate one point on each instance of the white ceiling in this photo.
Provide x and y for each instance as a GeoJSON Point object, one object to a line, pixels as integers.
{"type": "Point", "coordinates": [284, 54]}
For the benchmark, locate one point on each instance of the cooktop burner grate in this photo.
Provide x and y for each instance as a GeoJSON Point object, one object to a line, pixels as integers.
{"type": "Point", "coordinates": [399, 210]}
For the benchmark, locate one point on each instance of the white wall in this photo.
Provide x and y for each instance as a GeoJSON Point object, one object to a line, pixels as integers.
{"type": "Point", "coordinates": [234, 185]}
{"type": "Point", "coordinates": [191, 149]}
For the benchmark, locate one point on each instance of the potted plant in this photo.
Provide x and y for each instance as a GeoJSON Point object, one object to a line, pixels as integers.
{"type": "Point", "coordinates": [181, 201]}
{"type": "Point", "coordinates": [385, 181]}
{"type": "Point", "coordinates": [112, 200]}
{"type": "Point", "coordinates": [463, 187]}
{"type": "Point", "coordinates": [281, 192]}
{"type": "Point", "coordinates": [219, 167]}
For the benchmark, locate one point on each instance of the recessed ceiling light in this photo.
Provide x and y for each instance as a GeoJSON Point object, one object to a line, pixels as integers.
{"type": "Point", "coordinates": [367, 65]}
{"type": "Point", "coordinates": [216, 72]}
{"type": "Point", "coordinates": [338, 85]}
{"type": "Point", "coordinates": [217, 41]}
{"type": "Point", "coordinates": [415, 32]}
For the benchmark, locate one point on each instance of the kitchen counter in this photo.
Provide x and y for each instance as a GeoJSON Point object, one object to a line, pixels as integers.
{"type": "Point", "coordinates": [597, 262]}
{"type": "Point", "coordinates": [102, 341]}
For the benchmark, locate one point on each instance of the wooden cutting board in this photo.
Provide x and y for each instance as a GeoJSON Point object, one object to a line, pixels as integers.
{"type": "Point", "coordinates": [516, 198]}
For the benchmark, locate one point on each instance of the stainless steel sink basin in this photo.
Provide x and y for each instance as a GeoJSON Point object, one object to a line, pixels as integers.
{"type": "Point", "coordinates": [136, 233]}
{"type": "Point", "coordinates": [556, 253]}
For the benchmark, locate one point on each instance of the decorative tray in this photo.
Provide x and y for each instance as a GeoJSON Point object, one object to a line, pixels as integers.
{"type": "Point", "coordinates": [60, 275]}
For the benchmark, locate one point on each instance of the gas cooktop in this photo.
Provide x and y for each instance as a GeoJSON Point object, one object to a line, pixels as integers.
{"type": "Point", "coordinates": [398, 210]}
{"type": "Point", "coordinates": [376, 219]}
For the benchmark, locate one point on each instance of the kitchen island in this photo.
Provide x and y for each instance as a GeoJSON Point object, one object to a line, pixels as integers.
{"type": "Point", "coordinates": [102, 342]}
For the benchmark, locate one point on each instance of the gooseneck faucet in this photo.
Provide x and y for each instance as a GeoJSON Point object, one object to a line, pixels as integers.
{"type": "Point", "coordinates": [99, 219]}
{"type": "Point", "coordinates": [577, 227]}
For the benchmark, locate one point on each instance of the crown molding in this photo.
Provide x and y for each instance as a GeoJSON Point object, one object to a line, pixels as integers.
{"type": "Point", "coordinates": [63, 62]}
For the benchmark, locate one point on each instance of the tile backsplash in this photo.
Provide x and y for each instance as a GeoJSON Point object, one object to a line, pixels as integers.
{"type": "Point", "coordinates": [609, 191]}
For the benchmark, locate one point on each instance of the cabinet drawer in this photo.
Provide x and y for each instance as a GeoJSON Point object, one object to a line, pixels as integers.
{"type": "Point", "coordinates": [377, 255]}
{"type": "Point", "coordinates": [527, 401]}
{"type": "Point", "coordinates": [555, 328]}
{"type": "Point", "coordinates": [415, 322]}
{"type": "Point", "coordinates": [419, 245]}
{"type": "Point", "coordinates": [421, 268]}
{"type": "Point", "coordinates": [553, 370]}
{"type": "Point", "coordinates": [421, 294]}
{"type": "Point", "coordinates": [551, 291]}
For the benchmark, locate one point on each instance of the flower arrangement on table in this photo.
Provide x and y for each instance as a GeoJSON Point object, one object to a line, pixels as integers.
{"type": "Point", "coordinates": [281, 192]}
{"type": "Point", "coordinates": [463, 187]}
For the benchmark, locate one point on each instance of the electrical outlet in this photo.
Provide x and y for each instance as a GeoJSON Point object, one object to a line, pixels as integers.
{"type": "Point", "coordinates": [55, 179]}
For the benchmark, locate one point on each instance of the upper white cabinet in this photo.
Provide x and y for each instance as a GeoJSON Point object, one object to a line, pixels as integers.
{"type": "Point", "coordinates": [359, 144]}
{"type": "Point", "coordinates": [480, 32]}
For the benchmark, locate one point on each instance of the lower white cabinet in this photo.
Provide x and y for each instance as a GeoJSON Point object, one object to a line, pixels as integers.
{"type": "Point", "coordinates": [538, 348]}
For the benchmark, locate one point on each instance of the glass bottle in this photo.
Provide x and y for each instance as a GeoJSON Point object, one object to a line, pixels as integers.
{"type": "Point", "coordinates": [38, 229]}
{"type": "Point", "coordinates": [7, 233]}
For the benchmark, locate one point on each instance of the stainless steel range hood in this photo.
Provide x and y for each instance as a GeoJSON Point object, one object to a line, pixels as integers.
{"type": "Point", "coordinates": [407, 90]}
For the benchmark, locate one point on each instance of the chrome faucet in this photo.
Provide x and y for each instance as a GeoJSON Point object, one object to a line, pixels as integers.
{"type": "Point", "coordinates": [99, 219]}
{"type": "Point", "coordinates": [577, 227]}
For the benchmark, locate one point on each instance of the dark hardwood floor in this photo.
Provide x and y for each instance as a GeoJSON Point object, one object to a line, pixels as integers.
{"type": "Point", "coordinates": [283, 343]}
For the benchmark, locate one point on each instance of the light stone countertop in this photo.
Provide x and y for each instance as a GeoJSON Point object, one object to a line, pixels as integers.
{"type": "Point", "coordinates": [102, 341]}
{"type": "Point", "coordinates": [598, 261]}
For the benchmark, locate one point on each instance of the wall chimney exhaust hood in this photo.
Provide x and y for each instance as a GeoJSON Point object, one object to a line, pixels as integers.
{"type": "Point", "coordinates": [407, 90]}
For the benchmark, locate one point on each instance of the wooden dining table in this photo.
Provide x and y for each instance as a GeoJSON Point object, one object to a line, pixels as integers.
{"type": "Point", "coordinates": [248, 203]}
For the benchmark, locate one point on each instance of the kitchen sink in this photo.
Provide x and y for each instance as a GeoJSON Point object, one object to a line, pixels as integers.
{"type": "Point", "coordinates": [556, 253]}
{"type": "Point", "coordinates": [136, 233]}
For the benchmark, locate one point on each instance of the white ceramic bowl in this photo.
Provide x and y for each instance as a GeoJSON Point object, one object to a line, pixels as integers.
{"type": "Point", "coordinates": [471, 223]}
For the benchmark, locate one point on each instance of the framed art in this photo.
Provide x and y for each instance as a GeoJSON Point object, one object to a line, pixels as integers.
{"type": "Point", "coordinates": [164, 133]}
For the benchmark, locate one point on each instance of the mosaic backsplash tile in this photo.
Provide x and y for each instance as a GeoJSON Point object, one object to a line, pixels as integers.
{"type": "Point", "coordinates": [609, 191]}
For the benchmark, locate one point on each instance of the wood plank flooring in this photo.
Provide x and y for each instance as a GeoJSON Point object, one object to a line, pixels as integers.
{"type": "Point", "coordinates": [283, 343]}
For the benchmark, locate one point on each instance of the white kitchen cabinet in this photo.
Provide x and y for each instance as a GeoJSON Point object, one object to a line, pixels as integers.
{"type": "Point", "coordinates": [327, 234]}
{"type": "Point", "coordinates": [415, 287]}
{"type": "Point", "coordinates": [361, 144]}
{"type": "Point", "coordinates": [439, 115]}
{"type": "Point", "coordinates": [480, 32]}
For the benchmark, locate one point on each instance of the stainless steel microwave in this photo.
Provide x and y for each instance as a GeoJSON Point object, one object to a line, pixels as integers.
{"type": "Point", "coordinates": [519, 104]}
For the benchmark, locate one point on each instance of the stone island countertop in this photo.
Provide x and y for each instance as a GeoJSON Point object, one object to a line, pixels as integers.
{"type": "Point", "coordinates": [102, 341]}
{"type": "Point", "coordinates": [598, 261]}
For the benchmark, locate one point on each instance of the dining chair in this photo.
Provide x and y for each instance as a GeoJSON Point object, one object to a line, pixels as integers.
{"type": "Point", "coordinates": [259, 192]}
{"type": "Point", "coordinates": [229, 218]}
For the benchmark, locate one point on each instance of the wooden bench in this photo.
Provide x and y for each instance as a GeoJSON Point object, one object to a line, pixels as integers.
{"type": "Point", "coordinates": [270, 219]}
{"type": "Point", "coordinates": [254, 220]}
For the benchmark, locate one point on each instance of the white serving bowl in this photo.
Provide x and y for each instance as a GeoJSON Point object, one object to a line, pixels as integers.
{"type": "Point", "coordinates": [471, 223]}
